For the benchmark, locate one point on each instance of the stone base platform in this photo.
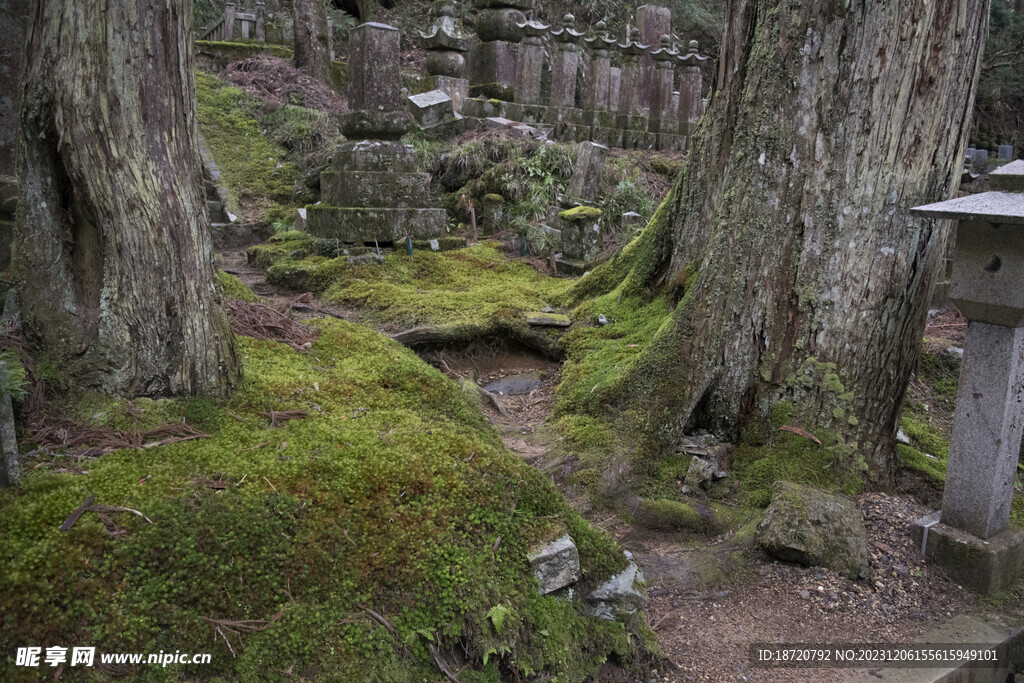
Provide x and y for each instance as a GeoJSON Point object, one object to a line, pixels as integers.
{"type": "Point", "coordinates": [364, 224]}
{"type": "Point", "coordinates": [984, 566]}
{"type": "Point", "coordinates": [570, 267]}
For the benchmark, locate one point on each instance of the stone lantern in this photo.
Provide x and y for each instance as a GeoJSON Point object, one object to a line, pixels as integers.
{"type": "Point", "coordinates": [631, 119]}
{"type": "Point", "coordinates": [970, 536]}
{"type": "Point", "coordinates": [565, 61]}
{"type": "Point", "coordinates": [662, 120]}
{"type": "Point", "coordinates": [446, 46]}
{"type": "Point", "coordinates": [691, 82]}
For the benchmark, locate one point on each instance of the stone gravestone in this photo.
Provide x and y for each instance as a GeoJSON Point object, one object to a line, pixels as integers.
{"type": "Point", "coordinates": [565, 60]}
{"type": "Point", "coordinates": [653, 22]}
{"type": "Point", "coordinates": [586, 175]}
{"type": "Point", "coordinates": [691, 82]}
{"type": "Point", "coordinates": [373, 191]}
{"type": "Point", "coordinates": [595, 90]}
{"type": "Point", "coordinates": [662, 88]}
{"type": "Point", "coordinates": [446, 45]}
{"type": "Point", "coordinates": [494, 61]}
{"type": "Point", "coordinates": [531, 62]}
{"type": "Point", "coordinates": [614, 87]}
{"type": "Point", "coordinates": [970, 537]}
{"type": "Point", "coordinates": [1006, 152]}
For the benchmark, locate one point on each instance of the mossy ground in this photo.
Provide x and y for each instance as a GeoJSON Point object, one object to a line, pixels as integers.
{"type": "Point", "coordinates": [393, 494]}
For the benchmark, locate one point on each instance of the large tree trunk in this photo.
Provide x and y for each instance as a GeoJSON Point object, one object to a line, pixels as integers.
{"type": "Point", "coordinates": [312, 44]}
{"type": "Point", "coordinates": [112, 246]}
{"type": "Point", "coordinates": [800, 274]}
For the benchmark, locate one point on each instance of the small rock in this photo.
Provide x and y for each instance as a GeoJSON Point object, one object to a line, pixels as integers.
{"type": "Point", "coordinates": [514, 386]}
{"type": "Point", "coordinates": [547, 309]}
{"type": "Point", "coordinates": [548, 319]}
{"type": "Point", "coordinates": [805, 594]}
{"type": "Point", "coordinates": [601, 320]}
{"type": "Point", "coordinates": [815, 528]}
{"type": "Point", "coordinates": [956, 352]}
{"type": "Point", "coordinates": [556, 565]}
{"type": "Point", "coordinates": [619, 596]}
{"type": "Point", "coordinates": [700, 473]}
{"type": "Point", "coordinates": [902, 438]}
{"type": "Point", "coordinates": [369, 257]}
{"type": "Point", "coordinates": [720, 474]}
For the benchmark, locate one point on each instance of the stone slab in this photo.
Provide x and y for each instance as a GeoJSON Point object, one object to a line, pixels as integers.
{"type": "Point", "coordinates": [587, 172]}
{"type": "Point", "coordinates": [375, 156]}
{"type": "Point", "coordinates": [372, 189]}
{"type": "Point", "coordinates": [369, 224]}
{"type": "Point", "coordinates": [555, 565]}
{"type": "Point", "coordinates": [999, 207]}
{"type": "Point", "coordinates": [431, 108]}
{"type": "Point", "coordinates": [548, 320]}
{"type": "Point", "coordinates": [984, 566]}
{"type": "Point", "coordinates": [483, 108]}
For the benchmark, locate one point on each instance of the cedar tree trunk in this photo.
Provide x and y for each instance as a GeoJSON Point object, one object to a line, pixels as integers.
{"type": "Point", "coordinates": [787, 241]}
{"type": "Point", "coordinates": [112, 246]}
{"type": "Point", "coordinates": [312, 46]}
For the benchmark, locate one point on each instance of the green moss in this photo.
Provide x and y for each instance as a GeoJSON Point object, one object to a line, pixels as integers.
{"type": "Point", "coordinates": [393, 494]}
{"type": "Point", "coordinates": [581, 214]}
{"type": "Point", "coordinates": [250, 164]}
{"type": "Point", "coordinates": [934, 469]}
{"type": "Point", "coordinates": [235, 288]}
{"type": "Point", "coordinates": [790, 457]}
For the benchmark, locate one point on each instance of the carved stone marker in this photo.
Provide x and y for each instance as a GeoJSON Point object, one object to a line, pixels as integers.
{"type": "Point", "coordinates": [587, 174]}
{"type": "Point", "coordinates": [565, 60]}
{"type": "Point", "coordinates": [373, 191]}
{"type": "Point", "coordinates": [446, 45]}
{"type": "Point", "coordinates": [970, 537]}
{"type": "Point", "coordinates": [691, 81]}
{"type": "Point", "coordinates": [1006, 152]}
{"type": "Point", "coordinates": [595, 90]}
{"type": "Point", "coordinates": [494, 61]}
{"type": "Point", "coordinates": [653, 22]}
{"type": "Point", "coordinates": [531, 62]}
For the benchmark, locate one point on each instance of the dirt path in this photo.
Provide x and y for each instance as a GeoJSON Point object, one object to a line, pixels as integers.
{"type": "Point", "coordinates": [708, 599]}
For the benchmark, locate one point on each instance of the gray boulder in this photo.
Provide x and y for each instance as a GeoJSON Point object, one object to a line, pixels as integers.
{"type": "Point", "coordinates": [814, 528]}
{"type": "Point", "coordinates": [700, 473]}
{"type": "Point", "coordinates": [618, 597]}
{"type": "Point", "coordinates": [556, 565]}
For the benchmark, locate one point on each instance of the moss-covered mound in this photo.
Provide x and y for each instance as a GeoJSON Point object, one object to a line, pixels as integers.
{"type": "Point", "coordinates": [388, 496]}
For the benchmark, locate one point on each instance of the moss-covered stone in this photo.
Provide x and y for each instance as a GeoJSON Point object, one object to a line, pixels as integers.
{"type": "Point", "coordinates": [581, 214]}
{"type": "Point", "coordinates": [814, 527]}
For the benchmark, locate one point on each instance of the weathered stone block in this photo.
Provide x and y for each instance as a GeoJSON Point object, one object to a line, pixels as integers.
{"type": "Point", "coordinates": [431, 108]}
{"type": "Point", "coordinates": [548, 320]}
{"type": "Point", "coordinates": [555, 565]}
{"type": "Point", "coordinates": [581, 232]}
{"type": "Point", "coordinates": [483, 108]}
{"type": "Point", "coordinates": [815, 528]}
{"type": "Point", "coordinates": [374, 189]}
{"type": "Point", "coordinates": [376, 125]}
{"type": "Point", "coordinates": [587, 173]}
{"type": "Point", "coordinates": [374, 156]}
{"type": "Point", "coordinates": [494, 69]}
{"type": "Point", "coordinates": [373, 84]}
{"type": "Point", "coordinates": [455, 88]}
{"type": "Point", "coordinates": [985, 566]}
{"type": "Point", "coordinates": [368, 224]}
{"type": "Point", "coordinates": [619, 597]}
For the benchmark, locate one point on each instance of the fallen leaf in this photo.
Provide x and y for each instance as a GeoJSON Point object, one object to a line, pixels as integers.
{"type": "Point", "coordinates": [800, 432]}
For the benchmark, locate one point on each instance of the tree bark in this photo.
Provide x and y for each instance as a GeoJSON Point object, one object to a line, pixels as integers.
{"type": "Point", "coordinates": [112, 245]}
{"type": "Point", "coordinates": [799, 274]}
{"type": "Point", "coordinates": [312, 44]}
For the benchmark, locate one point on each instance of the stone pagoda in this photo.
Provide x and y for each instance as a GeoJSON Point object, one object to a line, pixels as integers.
{"type": "Point", "coordinates": [373, 192]}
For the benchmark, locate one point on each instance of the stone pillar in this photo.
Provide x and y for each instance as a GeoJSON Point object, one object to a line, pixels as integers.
{"type": "Point", "coordinates": [373, 191]}
{"type": "Point", "coordinates": [970, 537]}
{"type": "Point", "coordinates": [261, 21]}
{"type": "Point", "coordinates": [662, 87]}
{"type": "Point", "coordinates": [614, 88]}
{"type": "Point", "coordinates": [494, 61]}
{"type": "Point", "coordinates": [531, 62]}
{"type": "Point", "coordinates": [598, 81]}
{"type": "Point", "coordinates": [653, 22]}
{"type": "Point", "coordinates": [565, 62]}
{"type": "Point", "coordinates": [691, 82]}
{"type": "Point", "coordinates": [229, 21]}
{"type": "Point", "coordinates": [586, 174]}
{"type": "Point", "coordinates": [446, 46]}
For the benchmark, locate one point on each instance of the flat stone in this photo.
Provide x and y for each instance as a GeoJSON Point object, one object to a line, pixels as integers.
{"type": "Point", "coordinates": [548, 319]}
{"type": "Point", "coordinates": [814, 528]}
{"type": "Point", "coordinates": [361, 224]}
{"type": "Point", "coordinates": [431, 108]}
{"type": "Point", "coordinates": [363, 259]}
{"type": "Point", "coordinates": [998, 207]}
{"type": "Point", "coordinates": [300, 220]}
{"type": "Point", "coordinates": [515, 385]}
{"type": "Point", "coordinates": [620, 596]}
{"type": "Point", "coordinates": [555, 565]}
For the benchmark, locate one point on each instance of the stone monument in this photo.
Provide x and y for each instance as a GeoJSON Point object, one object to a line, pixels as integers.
{"type": "Point", "coordinates": [373, 192]}
{"type": "Point", "coordinates": [691, 82]}
{"type": "Point", "coordinates": [660, 119]}
{"type": "Point", "coordinates": [970, 536]}
{"type": "Point", "coordinates": [653, 22]}
{"type": "Point", "coordinates": [446, 45]}
{"type": "Point", "coordinates": [565, 61]}
{"type": "Point", "coordinates": [531, 62]}
{"type": "Point", "coordinates": [494, 61]}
